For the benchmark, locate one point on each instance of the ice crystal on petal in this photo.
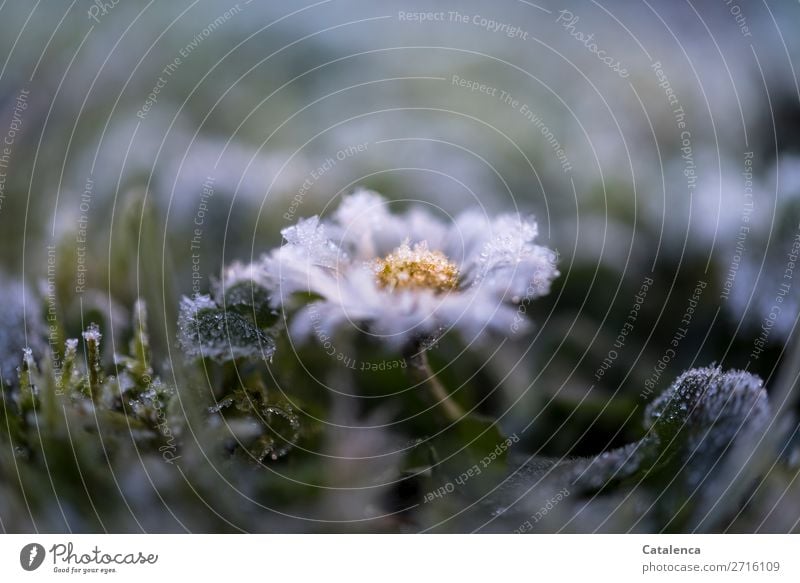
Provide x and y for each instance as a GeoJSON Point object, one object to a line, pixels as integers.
{"type": "Point", "coordinates": [365, 226]}
{"type": "Point", "coordinates": [309, 238]}
{"type": "Point", "coordinates": [511, 264]}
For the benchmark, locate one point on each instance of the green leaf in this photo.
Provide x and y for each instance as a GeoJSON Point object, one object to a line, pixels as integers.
{"type": "Point", "coordinates": [246, 297]}
{"type": "Point", "coordinates": [208, 331]}
{"type": "Point", "coordinates": [670, 476]}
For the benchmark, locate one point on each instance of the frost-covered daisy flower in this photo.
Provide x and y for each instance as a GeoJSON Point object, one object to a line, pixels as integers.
{"type": "Point", "coordinates": [406, 278]}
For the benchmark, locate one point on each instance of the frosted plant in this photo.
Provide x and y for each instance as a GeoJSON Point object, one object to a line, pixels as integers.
{"type": "Point", "coordinates": [20, 326]}
{"type": "Point", "coordinates": [208, 331]}
{"type": "Point", "coordinates": [409, 277]}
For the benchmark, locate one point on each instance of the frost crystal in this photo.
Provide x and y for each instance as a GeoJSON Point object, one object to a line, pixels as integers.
{"type": "Point", "coordinates": [705, 397]}
{"type": "Point", "coordinates": [208, 331]}
{"type": "Point", "coordinates": [419, 267]}
{"type": "Point", "coordinates": [13, 332]}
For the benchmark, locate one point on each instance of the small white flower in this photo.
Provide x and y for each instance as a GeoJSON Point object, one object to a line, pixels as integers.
{"type": "Point", "coordinates": [406, 278]}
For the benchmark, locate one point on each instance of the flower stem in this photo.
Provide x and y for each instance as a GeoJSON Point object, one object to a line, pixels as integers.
{"type": "Point", "coordinates": [423, 373]}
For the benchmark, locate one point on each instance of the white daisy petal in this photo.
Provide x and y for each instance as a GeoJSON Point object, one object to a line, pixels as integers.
{"type": "Point", "coordinates": [309, 236]}
{"type": "Point", "coordinates": [420, 225]}
{"type": "Point", "coordinates": [511, 265]}
{"type": "Point", "coordinates": [406, 277]}
{"type": "Point", "coordinates": [365, 226]}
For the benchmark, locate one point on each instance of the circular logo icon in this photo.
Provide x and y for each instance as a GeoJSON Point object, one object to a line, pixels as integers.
{"type": "Point", "coordinates": [31, 556]}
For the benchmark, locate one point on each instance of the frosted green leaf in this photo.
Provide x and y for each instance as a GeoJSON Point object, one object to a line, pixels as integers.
{"type": "Point", "coordinates": [704, 428]}
{"type": "Point", "coordinates": [704, 419]}
{"type": "Point", "coordinates": [207, 331]}
{"type": "Point", "coordinates": [243, 289]}
{"type": "Point", "coordinates": [705, 398]}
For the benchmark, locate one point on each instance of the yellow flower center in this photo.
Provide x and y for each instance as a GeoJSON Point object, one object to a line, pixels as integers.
{"type": "Point", "coordinates": [416, 268]}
